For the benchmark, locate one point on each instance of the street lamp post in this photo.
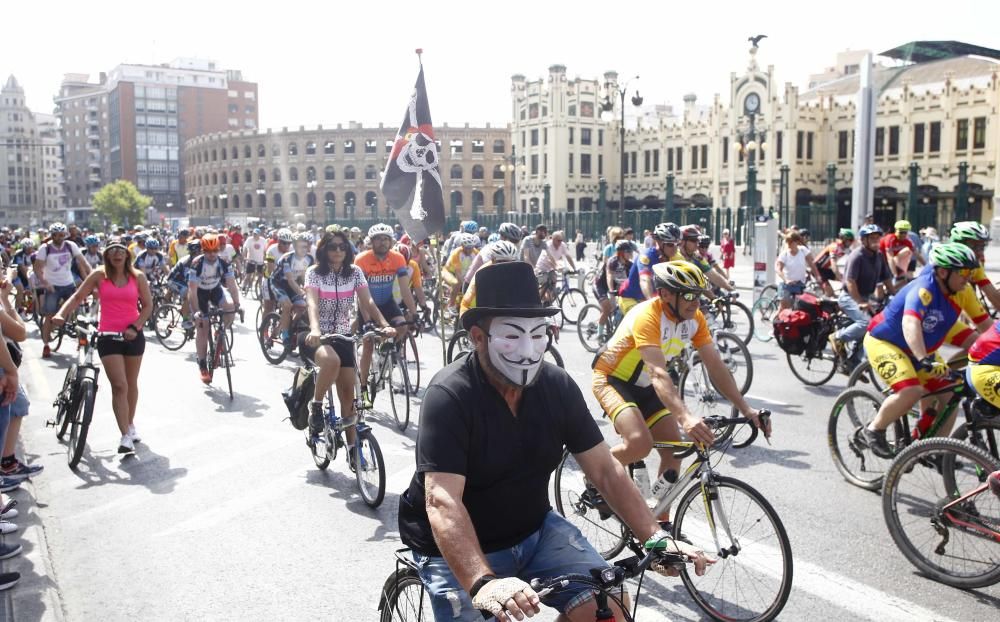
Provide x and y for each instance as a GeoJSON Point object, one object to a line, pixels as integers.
{"type": "Point", "coordinates": [748, 143]}
{"type": "Point", "coordinates": [608, 106]}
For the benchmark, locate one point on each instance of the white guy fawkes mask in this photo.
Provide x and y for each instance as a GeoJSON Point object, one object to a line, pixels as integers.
{"type": "Point", "coordinates": [516, 347]}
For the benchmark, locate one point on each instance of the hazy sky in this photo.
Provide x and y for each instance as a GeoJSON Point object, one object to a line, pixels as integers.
{"type": "Point", "coordinates": [330, 62]}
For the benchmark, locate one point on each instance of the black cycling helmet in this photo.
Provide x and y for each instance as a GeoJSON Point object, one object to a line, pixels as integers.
{"type": "Point", "coordinates": [667, 232]}
{"type": "Point", "coordinates": [704, 241]}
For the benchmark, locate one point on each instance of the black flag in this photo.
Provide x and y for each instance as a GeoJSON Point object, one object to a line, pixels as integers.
{"type": "Point", "coordinates": [411, 183]}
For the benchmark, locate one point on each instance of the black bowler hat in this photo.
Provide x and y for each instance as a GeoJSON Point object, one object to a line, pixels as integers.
{"type": "Point", "coordinates": [506, 289]}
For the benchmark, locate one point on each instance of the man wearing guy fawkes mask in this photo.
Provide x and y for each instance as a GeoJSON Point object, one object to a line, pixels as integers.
{"type": "Point", "coordinates": [492, 430]}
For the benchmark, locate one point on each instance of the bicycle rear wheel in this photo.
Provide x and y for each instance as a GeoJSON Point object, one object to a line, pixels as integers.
{"type": "Point", "coordinates": [65, 409]}
{"type": "Point", "coordinates": [169, 330]}
{"type": "Point", "coordinates": [864, 375]}
{"type": "Point", "coordinates": [738, 320]}
{"type": "Point", "coordinates": [399, 392]}
{"type": "Point", "coordinates": [765, 309]}
{"type": "Point", "coordinates": [369, 469]}
{"type": "Point", "coordinates": [589, 329]}
{"type": "Point", "coordinates": [737, 358]}
{"type": "Point", "coordinates": [225, 356]}
{"type": "Point", "coordinates": [607, 534]}
{"type": "Point", "coordinates": [854, 409]}
{"type": "Point", "coordinates": [269, 336]}
{"type": "Point", "coordinates": [404, 598]}
{"type": "Point", "coordinates": [80, 424]}
{"type": "Point", "coordinates": [983, 434]}
{"type": "Point", "coordinates": [948, 544]}
{"type": "Point", "coordinates": [552, 356]}
{"type": "Point", "coordinates": [570, 303]}
{"type": "Point", "coordinates": [753, 575]}
{"type": "Point", "coordinates": [813, 370]}
{"type": "Point", "coordinates": [412, 357]}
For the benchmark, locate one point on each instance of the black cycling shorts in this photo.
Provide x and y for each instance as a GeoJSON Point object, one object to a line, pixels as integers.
{"type": "Point", "coordinates": [826, 274]}
{"type": "Point", "coordinates": [345, 351]}
{"type": "Point", "coordinates": [215, 296]}
{"type": "Point", "coordinates": [109, 347]}
{"type": "Point", "coordinates": [390, 310]}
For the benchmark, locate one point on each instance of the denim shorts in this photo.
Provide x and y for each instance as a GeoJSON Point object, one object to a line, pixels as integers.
{"type": "Point", "coordinates": [19, 407]}
{"type": "Point", "coordinates": [285, 296]}
{"type": "Point", "coordinates": [557, 548]}
{"type": "Point", "coordinates": [787, 290]}
{"type": "Point", "coordinates": [54, 299]}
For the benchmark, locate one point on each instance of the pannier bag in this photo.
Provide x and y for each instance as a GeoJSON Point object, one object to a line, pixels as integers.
{"type": "Point", "coordinates": [298, 396]}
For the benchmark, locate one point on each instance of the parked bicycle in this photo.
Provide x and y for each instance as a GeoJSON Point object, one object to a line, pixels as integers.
{"type": "Point", "coordinates": [721, 515]}
{"type": "Point", "coordinates": [364, 456]}
{"type": "Point", "coordinates": [74, 403]}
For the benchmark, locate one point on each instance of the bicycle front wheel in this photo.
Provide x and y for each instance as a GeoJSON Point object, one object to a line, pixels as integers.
{"type": "Point", "coordinates": [80, 424]}
{"type": "Point", "coordinates": [270, 340]}
{"type": "Point", "coordinates": [399, 392]}
{"type": "Point", "coordinates": [765, 309]}
{"type": "Point", "coordinates": [552, 356]}
{"type": "Point", "coordinates": [753, 575]}
{"type": "Point", "coordinates": [404, 598]}
{"type": "Point", "coordinates": [65, 409]}
{"type": "Point", "coordinates": [864, 375]}
{"type": "Point", "coordinates": [169, 329]}
{"type": "Point", "coordinates": [946, 541]}
{"type": "Point", "coordinates": [369, 469]}
{"type": "Point", "coordinates": [570, 303]}
{"type": "Point", "coordinates": [459, 344]}
{"type": "Point", "coordinates": [738, 320]}
{"type": "Point", "coordinates": [589, 329]}
{"type": "Point", "coordinates": [412, 357]}
{"type": "Point", "coordinates": [605, 532]}
{"type": "Point", "coordinates": [226, 356]}
{"type": "Point", "coordinates": [852, 412]}
{"type": "Point", "coordinates": [736, 356]}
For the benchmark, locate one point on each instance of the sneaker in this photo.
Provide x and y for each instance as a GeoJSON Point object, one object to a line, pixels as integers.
{"type": "Point", "coordinates": [9, 550]}
{"type": "Point", "coordinates": [7, 527]}
{"type": "Point", "coordinates": [876, 441]}
{"type": "Point", "coordinates": [7, 485]}
{"type": "Point", "coordinates": [9, 580]}
{"type": "Point", "coordinates": [10, 514]}
{"type": "Point", "coordinates": [205, 376]}
{"type": "Point", "coordinates": [125, 446]}
{"type": "Point", "coordinates": [21, 470]}
{"type": "Point", "coordinates": [838, 346]}
{"type": "Point", "coordinates": [134, 434]}
{"type": "Point", "coordinates": [187, 325]}
{"type": "Point", "coordinates": [316, 418]}
{"type": "Point", "coordinates": [593, 498]}
{"type": "Point", "coordinates": [46, 352]}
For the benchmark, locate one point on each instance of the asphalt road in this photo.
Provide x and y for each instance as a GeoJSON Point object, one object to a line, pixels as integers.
{"type": "Point", "coordinates": [221, 514]}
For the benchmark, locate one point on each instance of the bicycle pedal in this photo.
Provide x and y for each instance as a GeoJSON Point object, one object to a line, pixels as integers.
{"type": "Point", "coordinates": [50, 423]}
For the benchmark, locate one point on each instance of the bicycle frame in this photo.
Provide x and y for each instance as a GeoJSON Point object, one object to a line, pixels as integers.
{"type": "Point", "coordinates": [948, 511]}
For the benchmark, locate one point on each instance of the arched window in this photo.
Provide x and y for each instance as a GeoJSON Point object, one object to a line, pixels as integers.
{"type": "Point", "coordinates": [215, 155]}
{"type": "Point", "coordinates": [456, 199]}
{"type": "Point", "coordinates": [276, 174]}
{"type": "Point", "coordinates": [329, 174]}
{"type": "Point", "coordinates": [293, 149]}
{"type": "Point", "coordinates": [311, 199]}
{"type": "Point", "coordinates": [477, 171]}
{"type": "Point", "coordinates": [348, 146]}
{"type": "Point", "coordinates": [248, 201]}
{"type": "Point", "coordinates": [197, 155]}
{"type": "Point", "coordinates": [478, 199]}
{"type": "Point", "coordinates": [349, 171]}
{"type": "Point", "coordinates": [293, 175]}
{"type": "Point", "coordinates": [277, 199]}
{"type": "Point", "coordinates": [371, 172]}
{"type": "Point", "coordinates": [223, 152]}
{"type": "Point", "coordinates": [234, 177]}
{"type": "Point", "coordinates": [330, 205]}
{"type": "Point", "coordinates": [261, 152]}
{"type": "Point", "coordinates": [261, 176]}
{"type": "Point", "coordinates": [215, 179]}
{"type": "Point", "coordinates": [371, 202]}
{"type": "Point", "coordinates": [497, 172]}
{"type": "Point", "coordinates": [236, 201]}
{"type": "Point", "coordinates": [275, 152]}
{"type": "Point", "coordinates": [310, 148]}
{"type": "Point", "coordinates": [225, 178]}
{"type": "Point", "coordinates": [499, 146]}
{"type": "Point", "coordinates": [235, 152]}
{"type": "Point", "coordinates": [293, 200]}
{"type": "Point", "coordinates": [349, 203]}
{"type": "Point", "coordinates": [262, 201]}
{"type": "Point", "coordinates": [247, 177]}
{"type": "Point", "coordinates": [215, 203]}
{"type": "Point", "coordinates": [329, 147]}
{"type": "Point", "coordinates": [311, 172]}
{"type": "Point", "coordinates": [456, 171]}
{"type": "Point", "coordinates": [498, 200]}
{"type": "Point", "coordinates": [247, 153]}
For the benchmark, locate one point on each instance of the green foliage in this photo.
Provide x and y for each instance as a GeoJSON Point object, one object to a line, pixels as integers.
{"type": "Point", "coordinates": [120, 202]}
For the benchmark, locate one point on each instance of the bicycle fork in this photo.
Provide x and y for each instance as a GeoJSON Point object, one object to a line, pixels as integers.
{"type": "Point", "coordinates": [716, 515]}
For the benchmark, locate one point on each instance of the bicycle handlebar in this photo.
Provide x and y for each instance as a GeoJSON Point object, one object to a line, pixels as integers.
{"type": "Point", "coordinates": [717, 421]}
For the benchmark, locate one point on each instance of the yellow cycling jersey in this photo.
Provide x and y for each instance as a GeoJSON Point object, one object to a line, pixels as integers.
{"type": "Point", "coordinates": [649, 324]}
{"type": "Point", "coordinates": [459, 263]}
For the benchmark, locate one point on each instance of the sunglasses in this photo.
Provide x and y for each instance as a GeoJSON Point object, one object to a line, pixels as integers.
{"type": "Point", "coordinates": [337, 247]}
{"type": "Point", "coordinates": [964, 272]}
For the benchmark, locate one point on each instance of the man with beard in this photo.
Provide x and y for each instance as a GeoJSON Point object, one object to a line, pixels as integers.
{"type": "Point", "coordinates": [493, 427]}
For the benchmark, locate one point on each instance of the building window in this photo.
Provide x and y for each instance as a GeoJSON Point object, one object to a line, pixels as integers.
{"type": "Point", "coordinates": [694, 157]}
{"type": "Point", "coordinates": [918, 138]}
{"type": "Point", "coordinates": [600, 164]}
{"type": "Point", "coordinates": [545, 164]}
{"type": "Point", "coordinates": [571, 135]}
{"type": "Point", "coordinates": [329, 148]}
{"type": "Point", "coordinates": [670, 159]}
{"type": "Point", "coordinates": [725, 150]}
{"type": "Point", "coordinates": [456, 171]}
{"type": "Point", "coordinates": [478, 145]}
{"type": "Point", "coordinates": [799, 138]}
{"type": "Point", "coordinates": [600, 138]}
{"type": "Point", "coordinates": [893, 140]}
{"type": "Point", "coordinates": [371, 146]}
{"type": "Point", "coordinates": [571, 111]}
{"type": "Point", "coordinates": [809, 145]}
{"type": "Point", "coordinates": [962, 135]}
{"type": "Point", "coordinates": [935, 146]}
{"type": "Point", "coordinates": [780, 139]}
{"type": "Point", "coordinates": [456, 147]}
{"type": "Point", "coordinates": [585, 135]}
{"type": "Point", "coordinates": [311, 173]}
{"type": "Point", "coordinates": [680, 159]}
{"type": "Point", "coordinates": [585, 164]}
{"type": "Point", "coordinates": [545, 135]}
{"type": "Point", "coordinates": [293, 149]}
{"type": "Point", "coordinates": [293, 174]}
{"type": "Point", "coordinates": [275, 150]}
{"type": "Point", "coordinates": [261, 175]}
{"type": "Point", "coordinates": [247, 152]}
{"type": "Point", "coordinates": [647, 161]}
{"type": "Point", "coordinates": [349, 172]}
{"type": "Point", "coordinates": [704, 158]}
{"type": "Point", "coordinates": [534, 138]}
{"type": "Point", "coordinates": [275, 174]}
{"type": "Point", "coordinates": [979, 133]}
{"type": "Point", "coordinates": [879, 141]}
{"type": "Point", "coordinates": [497, 172]}
{"type": "Point", "coordinates": [371, 172]}
{"type": "Point", "coordinates": [329, 174]}
{"type": "Point", "coordinates": [478, 172]}
{"type": "Point", "coordinates": [349, 147]}
{"type": "Point", "coordinates": [842, 145]}
{"type": "Point", "coordinates": [571, 164]}
{"type": "Point", "coordinates": [534, 164]}
{"type": "Point", "coordinates": [247, 177]}
{"type": "Point", "coordinates": [499, 146]}
{"type": "Point", "coordinates": [310, 148]}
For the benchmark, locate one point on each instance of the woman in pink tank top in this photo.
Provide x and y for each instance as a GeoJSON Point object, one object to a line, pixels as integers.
{"type": "Point", "coordinates": [126, 305]}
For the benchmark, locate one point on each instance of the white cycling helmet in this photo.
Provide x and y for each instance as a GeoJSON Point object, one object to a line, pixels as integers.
{"type": "Point", "coordinates": [468, 239]}
{"type": "Point", "coordinates": [510, 231]}
{"type": "Point", "coordinates": [502, 251]}
{"type": "Point", "coordinates": [303, 236]}
{"type": "Point", "coordinates": [57, 227]}
{"type": "Point", "coordinates": [300, 227]}
{"type": "Point", "coordinates": [27, 243]}
{"type": "Point", "coordinates": [381, 229]}
{"type": "Point", "coordinates": [286, 236]}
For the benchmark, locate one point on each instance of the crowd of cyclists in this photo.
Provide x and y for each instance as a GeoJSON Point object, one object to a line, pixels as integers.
{"type": "Point", "coordinates": [499, 285]}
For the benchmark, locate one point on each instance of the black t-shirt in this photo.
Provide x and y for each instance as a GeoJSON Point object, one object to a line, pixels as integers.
{"type": "Point", "coordinates": [866, 269]}
{"type": "Point", "coordinates": [466, 428]}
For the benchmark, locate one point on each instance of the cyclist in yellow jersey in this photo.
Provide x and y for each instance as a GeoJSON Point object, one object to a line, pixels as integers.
{"type": "Point", "coordinates": [631, 381]}
{"type": "Point", "coordinates": [975, 235]}
{"type": "Point", "coordinates": [457, 264]}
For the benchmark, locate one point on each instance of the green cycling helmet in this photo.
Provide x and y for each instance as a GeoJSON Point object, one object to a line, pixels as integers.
{"type": "Point", "coordinates": [969, 231]}
{"type": "Point", "coordinates": [847, 234]}
{"type": "Point", "coordinates": [953, 256]}
{"type": "Point", "coordinates": [903, 225]}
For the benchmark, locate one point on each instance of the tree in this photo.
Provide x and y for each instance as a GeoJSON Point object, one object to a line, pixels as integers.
{"type": "Point", "coordinates": [121, 203]}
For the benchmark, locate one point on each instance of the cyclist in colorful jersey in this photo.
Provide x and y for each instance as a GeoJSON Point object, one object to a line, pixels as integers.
{"type": "Point", "coordinates": [470, 227]}
{"type": "Point", "coordinates": [287, 279]}
{"type": "Point", "coordinates": [975, 235]}
{"type": "Point", "coordinates": [382, 266]}
{"type": "Point", "coordinates": [631, 381]}
{"type": "Point", "coordinates": [22, 260]}
{"type": "Point", "coordinates": [457, 264]}
{"type": "Point", "coordinates": [207, 276]}
{"type": "Point", "coordinates": [177, 249]}
{"type": "Point", "coordinates": [898, 249]}
{"type": "Point", "coordinates": [151, 262]}
{"type": "Point", "coordinates": [639, 285]}
{"type": "Point", "coordinates": [826, 262]}
{"type": "Point", "coordinates": [498, 252]}
{"type": "Point", "coordinates": [281, 246]}
{"type": "Point", "coordinates": [334, 286]}
{"type": "Point", "coordinates": [416, 280]}
{"type": "Point", "coordinates": [689, 249]}
{"type": "Point", "coordinates": [610, 278]}
{"type": "Point", "coordinates": [52, 269]}
{"type": "Point", "coordinates": [93, 253]}
{"type": "Point", "coordinates": [177, 280]}
{"type": "Point", "coordinates": [903, 339]}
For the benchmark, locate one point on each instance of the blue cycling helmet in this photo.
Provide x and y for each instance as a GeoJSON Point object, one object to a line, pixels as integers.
{"type": "Point", "coordinates": [91, 240]}
{"type": "Point", "coordinates": [494, 237]}
{"type": "Point", "coordinates": [470, 226]}
{"type": "Point", "coordinates": [153, 244]}
{"type": "Point", "coordinates": [867, 230]}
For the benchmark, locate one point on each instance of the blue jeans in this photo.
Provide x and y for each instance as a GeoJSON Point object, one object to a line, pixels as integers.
{"type": "Point", "coordinates": [860, 319]}
{"type": "Point", "coordinates": [557, 548]}
{"type": "Point", "coordinates": [787, 290]}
